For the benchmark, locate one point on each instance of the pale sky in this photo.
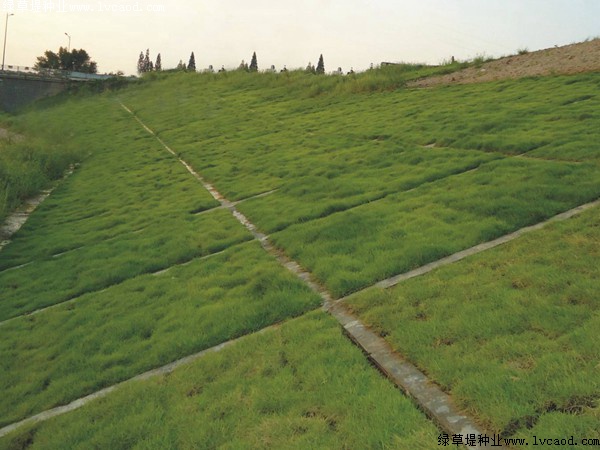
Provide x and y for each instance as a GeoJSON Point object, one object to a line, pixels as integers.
{"type": "Point", "coordinates": [349, 33]}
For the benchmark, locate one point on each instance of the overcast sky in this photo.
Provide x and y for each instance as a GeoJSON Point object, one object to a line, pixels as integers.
{"type": "Point", "coordinates": [349, 33]}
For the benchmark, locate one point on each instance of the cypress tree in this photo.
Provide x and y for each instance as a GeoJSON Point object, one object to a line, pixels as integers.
{"type": "Point", "coordinates": [147, 61]}
{"type": "Point", "coordinates": [192, 63]}
{"type": "Point", "coordinates": [140, 64]}
{"type": "Point", "coordinates": [321, 66]}
{"type": "Point", "coordinates": [254, 63]}
{"type": "Point", "coordinates": [158, 65]}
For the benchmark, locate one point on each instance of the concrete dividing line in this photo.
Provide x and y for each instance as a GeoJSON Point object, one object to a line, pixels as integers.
{"type": "Point", "coordinates": [261, 195]}
{"type": "Point", "coordinates": [262, 238]}
{"type": "Point", "coordinates": [20, 266]}
{"type": "Point", "coordinates": [164, 370]}
{"type": "Point", "coordinates": [436, 404]}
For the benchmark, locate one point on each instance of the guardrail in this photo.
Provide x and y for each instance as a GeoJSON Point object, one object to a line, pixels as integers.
{"type": "Point", "coordinates": [30, 72]}
{"type": "Point", "coordinates": [51, 74]}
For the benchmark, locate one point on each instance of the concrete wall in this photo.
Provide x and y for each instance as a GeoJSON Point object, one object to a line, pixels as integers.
{"type": "Point", "coordinates": [17, 91]}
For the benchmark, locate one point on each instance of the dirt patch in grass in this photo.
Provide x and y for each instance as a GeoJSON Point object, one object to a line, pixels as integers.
{"type": "Point", "coordinates": [567, 60]}
{"type": "Point", "coordinates": [7, 135]}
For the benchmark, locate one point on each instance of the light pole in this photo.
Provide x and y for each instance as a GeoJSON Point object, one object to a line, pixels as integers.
{"type": "Point", "coordinates": [5, 33]}
{"type": "Point", "coordinates": [69, 36]}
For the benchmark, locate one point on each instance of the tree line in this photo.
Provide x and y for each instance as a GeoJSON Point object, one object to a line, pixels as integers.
{"type": "Point", "coordinates": [73, 61]}
{"type": "Point", "coordinates": [145, 65]}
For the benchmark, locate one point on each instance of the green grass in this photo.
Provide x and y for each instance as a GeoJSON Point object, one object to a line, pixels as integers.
{"type": "Point", "coordinates": [511, 333]}
{"type": "Point", "coordinates": [340, 180]}
{"type": "Point", "coordinates": [95, 267]}
{"type": "Point", "coordinates": [356, 248]}
{"type": "Point", "coordinates": [127, 182]}
{"type": "Point", "coordinates": [128, 210]}
{"type": "Point", "coordinates": [300, 386]}
{"type": "Point", "coordinates": [253, 136]}
{"type": "Point", "coordinates": [105, 337]}
{"type": "Point", "coordinates": [358, 198]}
{"type": "Point", "coordinates": [28, 165]}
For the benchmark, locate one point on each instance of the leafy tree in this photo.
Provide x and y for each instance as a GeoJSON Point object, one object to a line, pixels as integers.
{"type": "Point", "coordinates": [310, 68]}
{"type": "Point", "coordinates": [253, 63]}
{"type": "Point", "coordinates": [243, 66]}
{"type": "Point", "coordinates": [320, 66]}
{"type": "Point", "coordinates": [74, 60]}
{"type": "Point", "coordinates": [192, 63]}
{"type": "Point", "coordinates": [181, 65]}
{"type": "Point", "coordinates": [158, 65]}
{"type": "Point", "coordinates": [140, 64]}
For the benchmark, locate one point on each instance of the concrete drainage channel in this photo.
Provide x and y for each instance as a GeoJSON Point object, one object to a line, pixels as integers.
{"type": "Point", "coordinates": [17, 219]}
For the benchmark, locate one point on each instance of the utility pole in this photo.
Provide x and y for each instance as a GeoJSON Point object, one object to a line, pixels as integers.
{"type": "Point", "coordinates": [5, 33]}
{"type": "Point", "coordinates": [69, 36]}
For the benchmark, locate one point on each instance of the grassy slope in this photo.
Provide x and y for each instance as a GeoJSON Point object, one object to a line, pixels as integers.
{"type": "Point", "coordinates": [511, 333]}
{"type": "Point", "coordinates": [304, 386]}
{"type": "Point", "coordinates": [337, 150]}
{"type": "Point", "coordinates": [129, 209]}
{"type": "Point", "coordinates": [355, 248]}
{"type": "Point", "coordinates": [328, 144]}
{"type": "Point", "coordinates": [109, 336]}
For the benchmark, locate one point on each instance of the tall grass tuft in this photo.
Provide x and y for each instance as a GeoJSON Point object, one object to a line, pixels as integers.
{"type": "Point", "coordinates": [27, 166]}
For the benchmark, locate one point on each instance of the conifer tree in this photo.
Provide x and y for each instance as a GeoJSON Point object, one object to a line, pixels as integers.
{"type": "Point", "coordinates": [140, 64]}
{"type": "Point", "coordinates": [254, 63]}
{"type": "Point", "coordinates": [192, 63]}
{"type": "Point", "coordinates": [158, 65]}
{"type": "Point", "coordinates": [310, 68]}
{"type": "Point", "coordinates": [321, 66]}
{"type": "Point", "coordinates": [181, 65]}
{"type": "Point", "coordinates": [147, 61]}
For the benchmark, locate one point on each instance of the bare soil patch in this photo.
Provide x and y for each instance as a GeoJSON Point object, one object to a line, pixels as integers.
{"type": "Point", "coordinates": [6, 135]}
{"type": "Point", "coordinates": [567, 60]}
